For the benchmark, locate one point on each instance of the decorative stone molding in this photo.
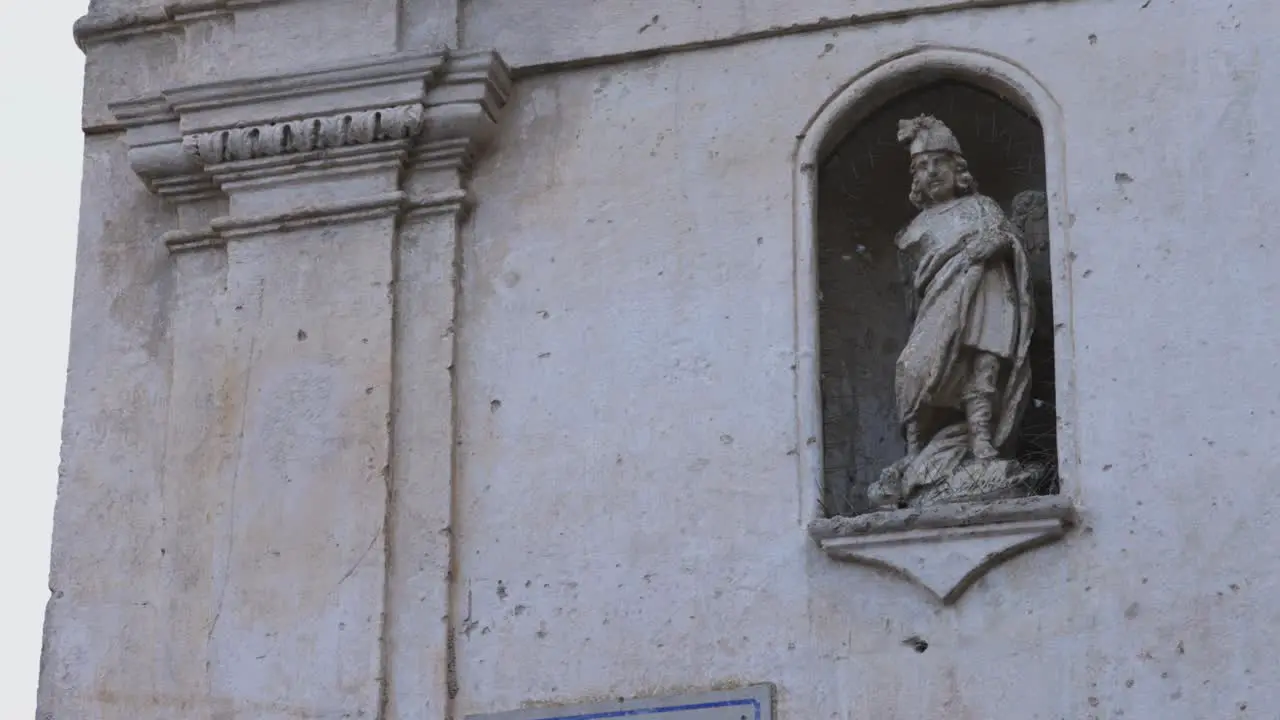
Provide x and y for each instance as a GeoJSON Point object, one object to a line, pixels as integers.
{"type": "Point", "coordinates": [338, 213]}
{"type": "Point", "coordinates": [945, 548]}
{"type": "Point", "coordinates": [298, 136]}
{"type": "Point", "coordinates": [424, 113]}
{"type": "Point", "coordinates": [176, 241]}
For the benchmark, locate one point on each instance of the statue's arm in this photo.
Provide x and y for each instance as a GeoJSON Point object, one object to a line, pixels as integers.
{"type": "Point", "coordinates": [993, 235]}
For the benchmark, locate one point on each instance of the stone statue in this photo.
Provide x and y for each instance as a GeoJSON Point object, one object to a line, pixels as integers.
{"type": "Point", "coordinates": [962, 379]}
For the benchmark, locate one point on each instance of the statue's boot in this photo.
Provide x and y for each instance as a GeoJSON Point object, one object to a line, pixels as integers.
{"type": "Point", "coordinates": [978, 411]}
{"type": "Point", "coordinates": [913, 438]}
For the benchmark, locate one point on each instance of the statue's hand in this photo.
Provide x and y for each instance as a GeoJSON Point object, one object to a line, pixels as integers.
{"type": "Point", "coordinates": [975, 252]}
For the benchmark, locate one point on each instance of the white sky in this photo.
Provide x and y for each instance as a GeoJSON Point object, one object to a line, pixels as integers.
{"type": "Point", "coordinates": [40, 81]}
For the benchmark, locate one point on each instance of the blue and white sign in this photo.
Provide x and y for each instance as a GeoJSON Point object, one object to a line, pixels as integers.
{"type": "Point", "coordinates": [749, 703]}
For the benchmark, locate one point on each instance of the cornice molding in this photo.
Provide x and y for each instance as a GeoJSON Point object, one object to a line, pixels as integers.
{"type": "Point", "coordinates": [421, 116]}
{"type": "Point", "coordinates": [178, 136]}
{"type": "Point", "coordinates": [364, 84]}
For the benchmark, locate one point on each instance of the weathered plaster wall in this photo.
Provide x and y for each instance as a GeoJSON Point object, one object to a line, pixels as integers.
{"type": "Point", "coordinates": [545, 32]}
{"type": "Point", "coordinates": [105, 615]}
{"type": "Point", "coordinates": [631, 518]}
{"type": "Point", "coordinates": [629, 512]}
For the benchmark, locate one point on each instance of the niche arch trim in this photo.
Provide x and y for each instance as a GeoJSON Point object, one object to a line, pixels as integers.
{"type": "Point", "coordinates": [849, 105]}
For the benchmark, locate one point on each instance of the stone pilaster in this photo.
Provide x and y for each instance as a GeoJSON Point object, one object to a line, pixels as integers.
{"type": "Point", "coordinates": [313, 433]}
{"type": "Point", "coordinates": [422, 602]}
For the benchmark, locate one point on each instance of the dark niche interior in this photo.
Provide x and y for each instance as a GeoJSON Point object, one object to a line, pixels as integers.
{"type": "Point", "coordinates": [863, 323]}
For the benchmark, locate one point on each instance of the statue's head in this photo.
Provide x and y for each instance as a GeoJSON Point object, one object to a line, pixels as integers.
{"type": "Point", "coordinates": [938, 169]}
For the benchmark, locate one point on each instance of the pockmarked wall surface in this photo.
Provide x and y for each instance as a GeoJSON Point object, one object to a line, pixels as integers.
{"type": "Point", "coordinates": [486, 385]}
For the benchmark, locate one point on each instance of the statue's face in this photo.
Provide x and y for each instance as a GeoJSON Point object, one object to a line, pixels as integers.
{"type": "Point", "coordinates": [934, 175]}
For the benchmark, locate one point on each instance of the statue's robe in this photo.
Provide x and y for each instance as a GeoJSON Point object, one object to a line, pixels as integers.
{"type": "Point", "coordinates": [961, 308]}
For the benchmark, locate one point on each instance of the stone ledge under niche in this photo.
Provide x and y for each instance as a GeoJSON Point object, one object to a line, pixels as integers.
{"type": "Point", "coordinates": [945, 547]}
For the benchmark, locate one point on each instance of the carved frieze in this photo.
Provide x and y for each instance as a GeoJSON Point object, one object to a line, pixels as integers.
{"type": "Point", "coordinates": [402, 122]}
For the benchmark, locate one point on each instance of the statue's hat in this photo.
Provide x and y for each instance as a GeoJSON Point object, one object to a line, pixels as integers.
{"type": "Point", "coordinates": [927, 134]}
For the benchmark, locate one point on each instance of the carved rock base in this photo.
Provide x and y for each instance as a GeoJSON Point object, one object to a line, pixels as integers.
{"type": "Point", "coordinates": [982, 481]}
{"type": "Point", "coordinates": [945, 548]}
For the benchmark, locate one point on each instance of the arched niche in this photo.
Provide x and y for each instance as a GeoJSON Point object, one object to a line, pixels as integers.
{"type": "Point", "coordinates": [852, 182]}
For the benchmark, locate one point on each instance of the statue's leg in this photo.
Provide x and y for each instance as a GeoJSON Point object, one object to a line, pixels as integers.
{"type": "Point", "coordinates": [979, 403]}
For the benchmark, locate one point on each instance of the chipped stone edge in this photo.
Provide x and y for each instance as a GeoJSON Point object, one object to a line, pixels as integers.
{"type": "Point", "coordinates": [98, 26]}
{"type": "Point", "coordinates": [948, 515]}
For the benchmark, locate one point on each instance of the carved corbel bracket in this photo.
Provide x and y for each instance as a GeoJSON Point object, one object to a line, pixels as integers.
{"type": "Point", "coordinates": [156, 151]}
{"type": "Point", "coordinates": [461, 119]}
{"type": "Point", "coordinates": [418, 119]}
{"type": "Point", "coordinates": [947, 547]}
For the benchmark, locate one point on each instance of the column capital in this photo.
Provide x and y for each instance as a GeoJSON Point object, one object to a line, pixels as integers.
{"type": "Point", "coordinates": [420, 112]}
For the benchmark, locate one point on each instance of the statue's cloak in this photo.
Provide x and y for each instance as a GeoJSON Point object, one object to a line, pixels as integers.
{"type": "Point", "coordinates": [959, 305]}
